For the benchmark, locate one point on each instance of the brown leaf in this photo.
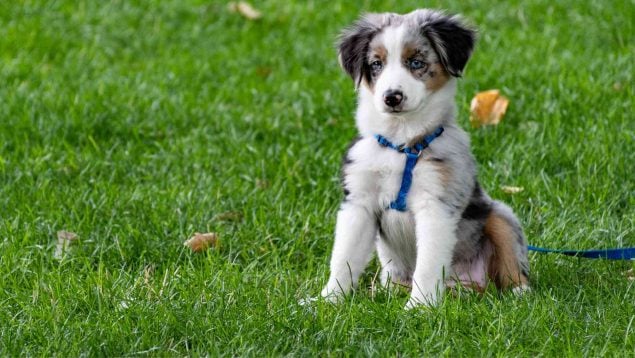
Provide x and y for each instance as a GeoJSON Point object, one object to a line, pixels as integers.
{"type": "Point", "coordinates": [148, 272]}
{"type": "Point", "coordinates": [512, 189]}
{"type": "Point", "coordinates": [229, 216]}
{"type": "Point", "coordinates": [201, 242]}
{"type": "Point", "coordinates": [245, 9]}
{"type": "Point", "coordinates": [617, 86]}
{"type": "Point", "coordinates": [262, 183]}
{"type": "Point", "coordinates": [64, 240]}
{"type": "Point", "coordinates": [488, 107]}
{"type": "Point", "coordinates": [331, 122]}
{"type": "Point", "coordinates": [263, 71]}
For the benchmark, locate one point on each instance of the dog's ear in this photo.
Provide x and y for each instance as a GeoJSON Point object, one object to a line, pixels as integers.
{"type": "Point", "coordinates": [353, 45]}
{"type": "Point", "coordinates": [452, 40]}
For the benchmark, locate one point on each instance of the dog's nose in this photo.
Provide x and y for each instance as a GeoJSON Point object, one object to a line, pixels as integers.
{"type": "Point", "coordinates": [393, 98]}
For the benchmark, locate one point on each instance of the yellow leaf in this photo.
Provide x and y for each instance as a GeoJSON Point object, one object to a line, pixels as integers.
{"type": "Point", "coordinates": [245, 9]}
{"type": "Point", "coordinates": [64, 240]}
{"type": "Point", "coordinates": [512, 189]}
{"type": "Point", "coordinates": [488, 107]}
{"type": "Point", "coordinates": [201, 242]}
{"type": "Point", "coordinates": [229, 216]}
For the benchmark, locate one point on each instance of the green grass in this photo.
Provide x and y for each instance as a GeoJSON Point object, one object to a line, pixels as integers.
{"type": "Point", "coordinates": [135, 124]}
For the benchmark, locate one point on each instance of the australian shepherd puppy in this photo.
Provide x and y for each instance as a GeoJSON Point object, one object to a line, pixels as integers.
{"type": "Point", "coordinates": [410, 185]}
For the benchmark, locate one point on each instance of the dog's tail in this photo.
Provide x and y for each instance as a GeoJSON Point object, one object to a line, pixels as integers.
{"type": "Point", "coordinates": [508, 265]}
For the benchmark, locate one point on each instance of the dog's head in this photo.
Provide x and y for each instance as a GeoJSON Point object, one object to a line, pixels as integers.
{"type": "Point", "coordinates": [403, 59]}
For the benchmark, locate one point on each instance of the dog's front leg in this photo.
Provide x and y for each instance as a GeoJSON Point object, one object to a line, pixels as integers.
{"type": "Point", "coordinates": [436, 238]}
{"type": "Point", "coordinates": [355, 233]}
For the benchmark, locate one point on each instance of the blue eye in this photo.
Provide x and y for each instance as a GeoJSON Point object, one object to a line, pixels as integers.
{"type": "Point", "coordinates": [376, 65]}
{"type": "Point", "coordinates": [416, 64]}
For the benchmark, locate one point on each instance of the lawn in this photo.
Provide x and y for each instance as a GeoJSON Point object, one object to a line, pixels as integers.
{"type": "Point", "coordinates": [135, 124]}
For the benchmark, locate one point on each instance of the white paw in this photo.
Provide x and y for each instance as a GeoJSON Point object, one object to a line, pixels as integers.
{"type": "Point", "coordinates": [521, 290]}
{"type": "Point", "coordinates": [332, 294]}
{"type": "Point", "coordinates": [429, 300]}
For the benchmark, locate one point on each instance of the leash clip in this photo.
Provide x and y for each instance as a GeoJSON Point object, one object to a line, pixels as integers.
{"type": "Point", "coordinates": [411, 152]}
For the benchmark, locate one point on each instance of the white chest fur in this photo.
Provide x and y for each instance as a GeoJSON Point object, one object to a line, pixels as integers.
{"type": "Point", "coordinates": [375, 173]}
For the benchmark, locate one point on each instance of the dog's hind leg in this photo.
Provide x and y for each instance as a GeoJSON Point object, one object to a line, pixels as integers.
{"type": "Point", "coordinates": [508, 266]}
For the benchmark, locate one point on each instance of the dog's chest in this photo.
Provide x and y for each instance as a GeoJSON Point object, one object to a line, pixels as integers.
{"type": "Point", "coordinates": [374, 174]}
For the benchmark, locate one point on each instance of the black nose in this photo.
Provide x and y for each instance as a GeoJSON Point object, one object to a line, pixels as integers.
{"type": "Point", "coordinates": [393, 98]}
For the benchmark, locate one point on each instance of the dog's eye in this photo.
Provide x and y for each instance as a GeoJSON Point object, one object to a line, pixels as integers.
{"type": "Point", "coordinates": [416, 64]}
{"type": "Point", "coordinates": [376, 65]}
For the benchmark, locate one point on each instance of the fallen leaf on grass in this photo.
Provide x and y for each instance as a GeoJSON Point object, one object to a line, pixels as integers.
{"type": "Point", "coordinates": [263, 71]}
{"type": "Point", "coordinates": [245, 9]}
{"type": "Point", "coordinates": [229, 216]}
{"type": "Point", "coordinates": [512, 189]}
{"type": "Point", "coordinates": [617, 86]}
{"type": "Point", "coordinates": [201, 242]}
{"type": "Point", "coordinates": [64, 241]}
{"type": "Point", "coordinates": [148, 272]}
{"type": "Point", "coordinates": [488, 107]}
{"type": "Point", "coordinates": [262, 183]}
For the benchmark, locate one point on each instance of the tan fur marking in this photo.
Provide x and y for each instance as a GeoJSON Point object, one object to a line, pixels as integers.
{"type": "Point", "coordinates": [438, 77]}
{"type": "Point", "coordinates": [444, 171]}
{"type": "Point", "coordinates": [503, 266]}
{"type": "Point", "coordinates": [409, 51]}
{"type": "Point", "coordinates": [376, 52]}
{"type": "Point", "coordinates": [379, 52]}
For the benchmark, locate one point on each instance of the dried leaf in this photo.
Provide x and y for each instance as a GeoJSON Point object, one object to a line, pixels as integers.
{"type": "Point", "coordinates": [201, 242]}
{"type": "Point", "coordinates": [263, 71]}
{"type": "Point", "coordinates": [262, 183]}
{"type": "Point", "coordinates": [512, 189]}
{"type": "Point", "coordinates": [245, 9]}
{"type": "Point", "coordinates": [488, 107]}
{"type": "Point", "coordinates": [617, 86]}
{"type": "Point", "coordinates": [67, 235]}
{"type": "Point", "coordinates": [229, 216]}
{"type": "Point", "coordinates": [148, 272]}
{"type": "Point", "coordinates": [64, 240]}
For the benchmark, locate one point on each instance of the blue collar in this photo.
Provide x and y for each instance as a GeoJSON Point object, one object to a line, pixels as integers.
{"type": "Point", "coordinates": [412, 155]}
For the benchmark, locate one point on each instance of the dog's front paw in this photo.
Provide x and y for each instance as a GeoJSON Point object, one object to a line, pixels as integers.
{"type": "Point", "coordinates": [426, 301]}
{"type": "Point", "coordinates": [332, 294]}
{"type": "Point", "coordinates": [427, 298]}
{"type": "Point", "coordinates": [521, 290]}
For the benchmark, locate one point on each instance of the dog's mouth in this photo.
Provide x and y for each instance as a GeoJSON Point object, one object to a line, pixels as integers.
{"type": "Point", "coordinates": [394, 110]}
{"type": "Point", "coordinates": [403, 110]}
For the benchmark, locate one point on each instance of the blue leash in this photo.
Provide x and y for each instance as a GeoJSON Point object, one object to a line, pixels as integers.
{"type": "Point", "coordinates": [412, 155]}
{"type": "Point", "coordinates": [627, 253]}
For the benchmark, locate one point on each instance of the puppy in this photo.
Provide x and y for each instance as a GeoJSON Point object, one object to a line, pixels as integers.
{"type": "Point", "coordinates": [409, 179]}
